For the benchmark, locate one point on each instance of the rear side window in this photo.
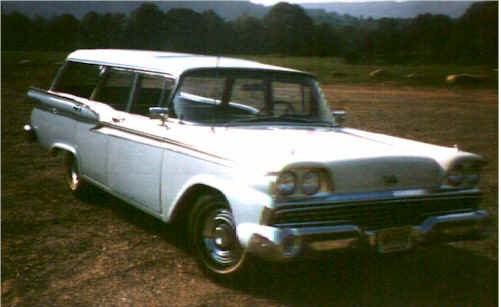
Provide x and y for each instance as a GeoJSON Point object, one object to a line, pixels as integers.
{"type": "Point", "coordinates": [78, 79]}
{"type": "Point", "coordinates": [151, 92]}
{"type": "Point", "coordinates": [116, 89]}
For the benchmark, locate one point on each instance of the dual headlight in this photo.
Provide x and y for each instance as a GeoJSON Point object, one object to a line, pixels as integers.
{"type": "Point", "coordinates": [465, 174]}
{"type": "Point", "coordinates": [306, 182]}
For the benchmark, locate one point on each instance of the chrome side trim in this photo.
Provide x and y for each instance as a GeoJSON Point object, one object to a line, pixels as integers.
{"type": "Point", "coordinates": [65, 106]}
{"type": "Point", "coordinates": [161, 143]}
{"type": "Point", "coordinates": [61, 105]}
{"type": "Point", "coordinates": [161, 139]}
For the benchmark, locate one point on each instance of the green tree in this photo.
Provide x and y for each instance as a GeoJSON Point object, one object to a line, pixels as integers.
{"type": "Point", "coordinates": [64, 33]}
{"type": "Point", "coordinates": [92, 31]}
{"type": "Point", "coordinates": [186, 30]}
{"type": "Point", "coordinates": [16, 31]}
{"type": "Point", "coordinates": [325, 41]}
{"type": "Point", "coordinates": [218, 34]}
{"type": "Point", "coordinates": [115, 25]}
{"type": "Point", "coordinates": [289, 30]}
{"type": "Point", "coordinates": [250, 35]}
{"type": "Point", "coordinates": [428, 37]}
{"type": "Point", "coordinates": [476, 34]}
{"type": "Point", "coordinates": [146, 28]}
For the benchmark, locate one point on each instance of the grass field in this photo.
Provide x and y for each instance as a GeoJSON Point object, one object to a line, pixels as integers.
{"type": "Point", "coordinates": [60, 251]}
{"type": "Point", "coordinates": [334, 70]}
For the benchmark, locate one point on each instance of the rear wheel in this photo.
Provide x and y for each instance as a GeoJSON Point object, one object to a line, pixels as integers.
{"type": "Point", "coordinates": [74, 182]}
{"type": "Point", "coordinates": [213, 237]}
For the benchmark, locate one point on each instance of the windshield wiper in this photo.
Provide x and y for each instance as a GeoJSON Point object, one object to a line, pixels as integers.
{"type": "Point", "coordinates": [282, 118]}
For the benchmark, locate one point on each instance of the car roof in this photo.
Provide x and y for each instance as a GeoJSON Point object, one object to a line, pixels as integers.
{"type": "Point", "coordinates": [170, 63]}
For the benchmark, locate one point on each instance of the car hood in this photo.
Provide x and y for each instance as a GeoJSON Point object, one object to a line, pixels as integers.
{"type": "Point", "coordinates": [357, 161]}
{"type": "Point", "coordinates": [274, 148]}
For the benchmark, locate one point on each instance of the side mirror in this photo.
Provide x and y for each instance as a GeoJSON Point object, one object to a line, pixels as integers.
{"type": "Point", "coordinates": [339, 117]}
{"type": "Point", "coordinates": [159, 113]}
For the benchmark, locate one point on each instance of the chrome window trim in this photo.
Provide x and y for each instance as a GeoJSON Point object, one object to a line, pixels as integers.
{"type": "Point", "coordinates": [135, 84]}
{"type": "Point", "coordinates": [122, 67]}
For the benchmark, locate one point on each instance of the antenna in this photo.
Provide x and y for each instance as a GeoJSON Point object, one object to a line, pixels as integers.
{"type": "Point", "coordinates": [218, 58]}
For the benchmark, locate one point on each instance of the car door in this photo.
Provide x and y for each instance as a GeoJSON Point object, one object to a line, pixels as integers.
{"type": "Point", "coordinates": [134, 158]}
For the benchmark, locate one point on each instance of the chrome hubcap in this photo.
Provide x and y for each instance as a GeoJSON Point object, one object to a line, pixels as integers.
{"type": "Point", "coordinates": [73, 178]}
{"type": "Point", "coordinates": [223, 237]}
{"type": "Point", "coordinates": [74, 174]}
{"type": "Point", "coordinates": [219, 240]}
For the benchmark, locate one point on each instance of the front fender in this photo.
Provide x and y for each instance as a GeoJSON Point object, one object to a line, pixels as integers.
{"type": "Point", "coordinates": [245, 201]}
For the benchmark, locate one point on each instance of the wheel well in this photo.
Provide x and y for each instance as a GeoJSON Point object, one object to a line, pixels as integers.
{"type": "Point", "coordinates": [68, 156]}
{"type": "Point", "coordinates": [55, 151]}
{"type": "Point", "coordinates": [185, 204]}
{"type": "Point", "coordinates": [56, 148]}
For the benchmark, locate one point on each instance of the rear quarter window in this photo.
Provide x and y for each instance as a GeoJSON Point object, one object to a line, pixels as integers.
{"type": "Point", "coordinates": [78, 79]}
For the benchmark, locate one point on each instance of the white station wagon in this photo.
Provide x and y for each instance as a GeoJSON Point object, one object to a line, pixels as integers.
{"type": "Point", "coordinates": [250, 157]}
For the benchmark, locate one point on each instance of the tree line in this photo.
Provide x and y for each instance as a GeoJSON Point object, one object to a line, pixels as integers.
{"type": "Point", "coordinates": [285, 30]}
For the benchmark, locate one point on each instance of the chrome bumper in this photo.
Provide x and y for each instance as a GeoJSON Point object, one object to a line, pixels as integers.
{"type": "Point", "coordinates": [280, 244]}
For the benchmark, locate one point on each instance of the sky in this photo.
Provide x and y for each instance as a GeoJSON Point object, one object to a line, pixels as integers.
{"type": "Point", "coordinates": [272, 2]}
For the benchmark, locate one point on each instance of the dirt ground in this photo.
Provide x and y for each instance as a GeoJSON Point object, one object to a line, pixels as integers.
{"type": "Point", "coordinates": [59, 251]}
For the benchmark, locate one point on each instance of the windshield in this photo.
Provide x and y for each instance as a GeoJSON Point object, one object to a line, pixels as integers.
{"type": "Point", "coordinates": [243, 97]}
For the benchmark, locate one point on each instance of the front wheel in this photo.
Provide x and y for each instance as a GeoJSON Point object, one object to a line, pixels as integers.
{"type": "Point", "coordinates": [213, 237]}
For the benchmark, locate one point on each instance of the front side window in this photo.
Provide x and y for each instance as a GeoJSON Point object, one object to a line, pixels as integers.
{"type": "Point", "coordinates": [250, 92]}
{"type": "Point", "coordinates": [243, 97]}
{"type": "Point", "coordinates": [292, 97]}
{"type": "Point", "coordinates": [78, 79]}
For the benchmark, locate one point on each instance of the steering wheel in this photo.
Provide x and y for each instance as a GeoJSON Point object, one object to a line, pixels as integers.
{"type": "Point", "coordinates": [289, 107]}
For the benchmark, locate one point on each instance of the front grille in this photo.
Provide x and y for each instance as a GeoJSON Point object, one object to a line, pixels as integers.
{"type": "Point", "coordinates": [371, 215]}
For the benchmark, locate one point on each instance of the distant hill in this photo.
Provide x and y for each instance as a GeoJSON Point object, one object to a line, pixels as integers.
{"type": "Point", "coordinates": [228, 10]}
{"type": "Point", "coordinates": [231, 10]}
{"type": "Point", "coordinates": [408, 9]}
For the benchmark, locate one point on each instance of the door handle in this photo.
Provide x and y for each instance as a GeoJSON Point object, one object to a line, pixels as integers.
{"type": "Point", "coordinates": [77, 108]}
{"type": "Point", "coordinates": [54, 111]}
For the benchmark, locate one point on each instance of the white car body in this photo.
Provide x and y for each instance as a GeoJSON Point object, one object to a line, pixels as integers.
{"type": "Point", "coordinates": [162, 165]}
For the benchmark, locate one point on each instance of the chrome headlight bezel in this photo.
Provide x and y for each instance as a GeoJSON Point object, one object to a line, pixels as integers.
{"type": "Point", "coordinates": [311, 182]}
{"type": "Point", "coordinates": [455, 176]}
{"type": "Point", "coordinates": [286, 183]}
{"type": "Point", "coordinates": [302, 182]}
{"type": "Point", "coordinates": [465, 174]}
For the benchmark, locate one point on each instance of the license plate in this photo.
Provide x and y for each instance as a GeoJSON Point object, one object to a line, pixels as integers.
{"type": "Point", "coordinates": [394, 239]}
